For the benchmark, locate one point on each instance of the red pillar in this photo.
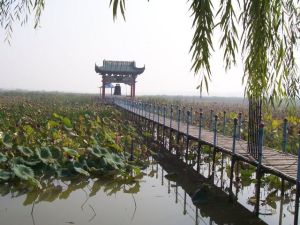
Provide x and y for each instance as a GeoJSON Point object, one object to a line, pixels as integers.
{"type": "Point", "coordinates": [133, 92]}
{"type": "Point", "coordinates": [103, 89]}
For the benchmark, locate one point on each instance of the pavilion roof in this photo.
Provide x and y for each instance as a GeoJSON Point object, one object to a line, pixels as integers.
{"type": "Point", "coordinates": [119, 68]}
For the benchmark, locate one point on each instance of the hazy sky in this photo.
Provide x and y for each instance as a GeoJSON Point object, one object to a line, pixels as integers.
{"type": "Point", "coordinates": [76, 34]}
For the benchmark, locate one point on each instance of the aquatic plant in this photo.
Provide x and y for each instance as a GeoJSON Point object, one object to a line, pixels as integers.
{"type": "Point", "coordinates": [58, 135]}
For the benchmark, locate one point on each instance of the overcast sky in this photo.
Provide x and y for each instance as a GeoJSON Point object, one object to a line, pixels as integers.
{"type": "Point", "coordinates": [76, 34]}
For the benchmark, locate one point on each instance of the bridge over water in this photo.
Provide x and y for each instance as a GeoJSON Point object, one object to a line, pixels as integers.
{"type": "Point", "coordinates": [268, 160]}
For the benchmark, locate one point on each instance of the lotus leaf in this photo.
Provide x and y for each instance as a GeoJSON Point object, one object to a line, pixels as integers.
{"type": "Point", "coordinates": [98, 151]}
{"type": "Point", "coordinates": [78, 168]}
{"type": "Point", "coordinates": [115, 147]}
{"type": "Point", "coordinates": [31, 161]}
{"type": "Point", "coordinates": [63, 172]}
{"type": "Point", "coordinates": [56, 153]}
{"type": "Point", "coordinates": [7, 141]}
{"type": "Point", "coordinates": [3, 158]}
{"type": "Point", "coordinates": [25, 151]}
{"type": "Point", "coordinates": [70, 152]}
{"type": "Point", "coordinates": [44, 155]}
{"type": "Point", "coordinates": [4, 175]}
{"type": "Point", "coordinates": [23, 172]}
{"type": "Point", "coordinates": [118, 160]}
{"type": "Point", "coordinates": [51, 124]}
{"type": "Point", "coordinates": [17, 160]}
{"type": "Point", "coordinates": [67, 122]}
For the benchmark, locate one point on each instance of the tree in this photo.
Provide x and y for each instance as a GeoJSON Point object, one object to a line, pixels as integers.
{"type": "Point", "coordinates": [19, 10]}
{"type": "Point", "coordinates": [267, 31]}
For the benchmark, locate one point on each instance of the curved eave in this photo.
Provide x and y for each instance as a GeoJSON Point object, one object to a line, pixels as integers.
{"type": "Point", "coordinates": [134, 71]}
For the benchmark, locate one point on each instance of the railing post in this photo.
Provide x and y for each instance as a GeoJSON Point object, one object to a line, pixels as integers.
{"type": "Point", "coordinates": [285, 133]}
{"type": "Point", "coordinates": [149, 113]}
{"type": "Point", "coordinates": [140, 108]}
{"type": "Point", "coordinates": [157, 132]}
{"type": "Point", "coordinates": [178, 120]}
{"type": "Point", "coordinates": [164, 121]}
{"type": "Point", "coordinates": [187, 136]}
{"type": "Point", "coordinates": [192, 116]}
{"type": "Point", "coordinates": [200, 124]}
{"type": "Point", "coordinates": [153, 123]}
{"type": "Point", "coordinates": [158, 110]}
{"type": "Point", "coordinates": [215, 146]}
{"type": "Point", "coordinates": [259, 170]}
{"type": "Point", "coordinates": [211, 120]}
{"type": "Point", "coordinates": [260, 147]}
{"type": "Point", "coordinates": [178, 129]}
{"type": "Point", "coordinates": [171, 116]}
{"type": "Point", "coordinates": [183, 113]}
{"type": "Point", "coordinates": [199, 141]}
{"type": "Point", "coordinates": [224, 123]}
{"type": "Point", "coordinates": [234, 136]}
{"type": "Point", "coordinates": [239, 125]}
{"type": "Point", "coordinates": [171, 121]}
{"type": "Point", "coordinates": [215, 130]}
{"type": "Point", "coordinates": [153, 116]}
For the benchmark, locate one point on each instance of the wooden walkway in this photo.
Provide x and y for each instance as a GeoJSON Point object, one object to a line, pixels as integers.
{"type": "Point", "coordinates": [281, 164]}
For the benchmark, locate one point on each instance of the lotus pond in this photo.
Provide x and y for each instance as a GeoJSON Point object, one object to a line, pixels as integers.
{"type": "Point", "coordinates": [64, 159]}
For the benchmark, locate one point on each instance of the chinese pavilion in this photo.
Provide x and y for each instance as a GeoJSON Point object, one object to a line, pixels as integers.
{"type": "Point", "coordinates": [119, 72]}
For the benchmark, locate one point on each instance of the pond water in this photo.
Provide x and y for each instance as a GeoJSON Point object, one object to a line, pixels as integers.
{"type": "Point", "coordinates": [161, 195]}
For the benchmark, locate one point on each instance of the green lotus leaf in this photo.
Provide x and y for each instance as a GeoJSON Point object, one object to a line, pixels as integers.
{"type": "Point", "coordinates": [118, 160]}
{"type": "Point", "coordinates": [79, 169]}
{"type": "Point", "coordinates": [7, 141]}
{"type": "Point", "coordinates": [115, 147]}
{"type": "Point", "coordinates": [98, 151]}
{"type": "Point", "coordinates": [3, 158]}
{"type": "Point", "coordinates": [4, 175]}
{"type": "Point", "coordinates": [35, 182]}
{"type": "Point", "coordinates": [17, 160]}
{"type": "Point", "coordinates": [56, 153]}
{"type": "Point", "coordinates": [52, 124]}
{"type": "Point", "coordinates": [45, 155]}
{"type": "Point", "coordinates": [67, 122]}
{"type": "Point", "coordinates": [70, 152]}
{"type": "Point", "coordinates": [55, 115]}
{"type": "Point", "coordinates": [83, 163]}
{"type": "Point", "coordinates": [23, 172]}
{"type": "Point", "coordinates": [25, 151]}
{"type": "Point", "coordinates": [110, 161]}
{"type": "Point", "coordinates": [63, 172]}
{"type": "Point", "coordinates": [32, 161]}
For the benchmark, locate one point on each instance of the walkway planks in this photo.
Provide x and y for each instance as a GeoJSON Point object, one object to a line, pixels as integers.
{"type": "Point", "coordinates": [276, 162]}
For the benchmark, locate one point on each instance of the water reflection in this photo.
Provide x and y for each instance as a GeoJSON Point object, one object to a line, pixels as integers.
{"type": "Point", "coordinates": [148, 197]}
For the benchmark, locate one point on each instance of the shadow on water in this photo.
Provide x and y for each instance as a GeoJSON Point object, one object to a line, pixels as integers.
{"type": "Point", "coordinates": [211, 201]}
